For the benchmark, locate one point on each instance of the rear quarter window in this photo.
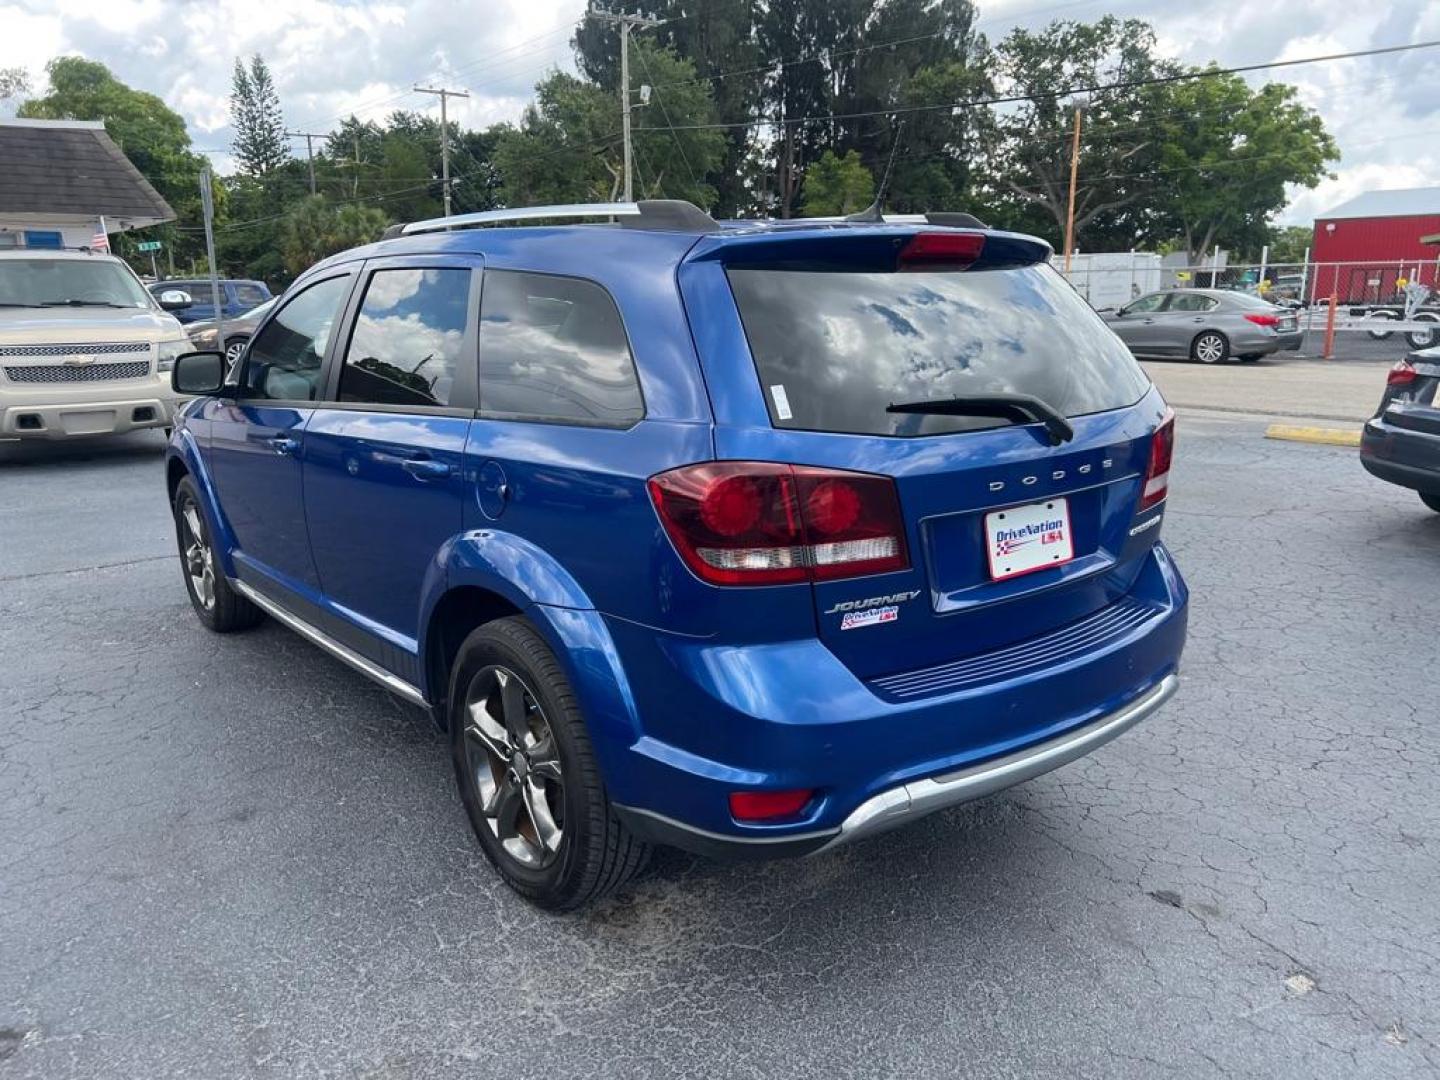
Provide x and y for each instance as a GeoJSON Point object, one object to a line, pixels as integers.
{"type": "Point", "coordinates": [553, 348]}
{"type": "Point", "coordinates": [834, 348]}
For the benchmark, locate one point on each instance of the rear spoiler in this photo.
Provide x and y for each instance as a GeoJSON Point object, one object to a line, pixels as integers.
{"type": "Point", "coordinates": [874, 249]}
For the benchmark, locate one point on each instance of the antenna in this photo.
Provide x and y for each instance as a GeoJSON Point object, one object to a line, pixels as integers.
{"type": "Point", "coordinates": [872, 213]}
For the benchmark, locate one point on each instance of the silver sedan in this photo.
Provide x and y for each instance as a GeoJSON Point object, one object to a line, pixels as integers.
{"type": "Point", "coordinates": [1209, 325]}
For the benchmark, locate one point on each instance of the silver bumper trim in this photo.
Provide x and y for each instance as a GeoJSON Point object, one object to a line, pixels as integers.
{"type": "Point", "coordinates": [917, 798]}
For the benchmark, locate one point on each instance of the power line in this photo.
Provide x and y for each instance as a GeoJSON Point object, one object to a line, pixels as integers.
{"type": "Point", "coordinates": [1093, 88]}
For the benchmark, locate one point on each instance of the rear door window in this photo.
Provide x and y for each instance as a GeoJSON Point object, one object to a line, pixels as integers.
{"type": "Point", "coordinates": [834, 348]}
{"type": "Point", "coordinates": [249, 296]}
{"type": "Point", "coordinates": [553, 348]}
{"type": "Point", "coordinates": [1193, 302]}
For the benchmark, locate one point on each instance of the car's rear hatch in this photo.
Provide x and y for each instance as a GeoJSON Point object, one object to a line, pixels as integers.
{"type": "Point", "coordinates": [836, 326]}
{"type": "Point", "coordinates": [1412, 393]}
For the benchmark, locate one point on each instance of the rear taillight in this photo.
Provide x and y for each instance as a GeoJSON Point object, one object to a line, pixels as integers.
{"type": "Point", "coordinates": [1402, 374]}
{"type": "Point", "coordinates": [758, 523]}
{"type": "Point", "coordinates": [932, 251]}
{"type": "Point", "coordinates": [1157, 475]}
{"type": "Point", "coordinates": [1263, 320]}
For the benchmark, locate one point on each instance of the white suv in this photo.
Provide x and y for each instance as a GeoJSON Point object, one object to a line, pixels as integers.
{"type": "Point", "coordinates": [84, 348]}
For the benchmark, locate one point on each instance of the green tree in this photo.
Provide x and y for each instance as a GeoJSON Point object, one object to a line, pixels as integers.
{"type": "Point", "coordinates": [152, 136]}
{"type": "Point", "coordinates": [567, 146]}
{"type": "Point", "coordinates": [1029, 144]}
{"type": "Point", "coordinates": [1225, 154]}
{"type": "Point", "coordinates": [838, 185]}
{"type": "Point", "coordinates": [259, 145]}
{"type": "Point", "coordinates": [1289, 244]}
{"type": "Point", "coordinates": [317, 228]}
{"type": "Point", "coordinates": [719, 40]}
{"type": "Point", "coordinates": [14, 82]}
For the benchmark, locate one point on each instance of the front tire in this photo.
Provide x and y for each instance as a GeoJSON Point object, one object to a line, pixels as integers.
{"type": "Point", "coordinates": [527, 772]}
{"type": "Point", "coordinates": [233, 348]}
{"type": "Point", "coordinates": [1432, 501]}
{"type": "Point", "coordinates": [1210, 347]}
{"type": "Point", "coordinates": [218, 606]}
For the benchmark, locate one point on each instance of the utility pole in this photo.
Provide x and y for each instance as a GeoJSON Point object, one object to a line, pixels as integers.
{"type": "Point", "coordinates": [444, 136]}
{"type": "Point", "coordinates": [1074, 173]}
{"type": "Point", "coordinates": [308, 136]}
{"type": "Point", "coordinates": [626, 24]}
{"type": "Point", "coordinates": [207, 209]}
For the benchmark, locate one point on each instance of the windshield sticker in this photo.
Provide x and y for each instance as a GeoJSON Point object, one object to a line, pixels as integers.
{"type": "Point", "coordinates": [853, 620]}
{"type": "Point", "coordinates": [782, 402]}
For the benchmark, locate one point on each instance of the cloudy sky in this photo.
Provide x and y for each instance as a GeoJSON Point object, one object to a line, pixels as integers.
{"type": "Point", "coordinates": [332, 58]}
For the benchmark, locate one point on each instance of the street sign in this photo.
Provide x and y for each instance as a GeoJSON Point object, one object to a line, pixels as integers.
{"type": "Point", "coordinates": [148, 245]}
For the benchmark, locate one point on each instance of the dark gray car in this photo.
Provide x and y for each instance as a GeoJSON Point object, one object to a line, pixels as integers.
{"type": "Point", "coordinates": [1401, 443]}
{"type": "Point", "coordinates": [1209, 325]}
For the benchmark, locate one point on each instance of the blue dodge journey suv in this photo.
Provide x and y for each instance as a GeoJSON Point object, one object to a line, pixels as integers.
{"type": "Point", "coordinates": [748, 537]}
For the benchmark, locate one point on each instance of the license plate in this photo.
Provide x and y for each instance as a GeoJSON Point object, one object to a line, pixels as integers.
{"type": "Point", "coordinates": [1024, 539]}
{"type": "Point", "coordinates": [1287, 325]}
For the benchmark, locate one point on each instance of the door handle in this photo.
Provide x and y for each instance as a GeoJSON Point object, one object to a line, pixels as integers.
{"type": "Point", "coordinates": [284, 445]}
{"type": "Point", "coordinates": [425, 468]}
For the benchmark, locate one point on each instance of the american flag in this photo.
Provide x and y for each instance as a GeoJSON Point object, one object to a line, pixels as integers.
{"type": "Point", "coordinates": [101, 240]}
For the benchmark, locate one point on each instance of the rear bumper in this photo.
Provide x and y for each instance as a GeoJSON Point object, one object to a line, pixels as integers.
{"type": "Point", "coordinates": [789, 715]}
{"type": "Point", "coordinates": [62, 411]}
{"type": "Point", "coordinates": [1401, 456]}
{"type": "Point", "coordinates": [911, 801]}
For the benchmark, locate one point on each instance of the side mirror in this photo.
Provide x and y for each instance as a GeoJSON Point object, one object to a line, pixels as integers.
{"type": "Point", "coordinates": [176, 300]}
{"type": "Point", "coordinates": [198, 373]}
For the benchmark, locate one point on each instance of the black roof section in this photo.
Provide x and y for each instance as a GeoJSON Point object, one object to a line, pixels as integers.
{"type": "Point", "coordinates": [72, 167]}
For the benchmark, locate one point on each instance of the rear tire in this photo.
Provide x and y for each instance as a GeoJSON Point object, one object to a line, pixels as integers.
{"type": "Point", "coordinates": [1432, 501]}
{"type": "Point", "coordinates": [527, 772]}
{"type": "Point", "coordinates": [217, 605]}
{"type": "Point", "coordinates": [1210, 347]}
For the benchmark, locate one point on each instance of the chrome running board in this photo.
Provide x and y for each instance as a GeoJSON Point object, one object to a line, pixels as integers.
{"type": "Point", "coordinates": [344, 654]}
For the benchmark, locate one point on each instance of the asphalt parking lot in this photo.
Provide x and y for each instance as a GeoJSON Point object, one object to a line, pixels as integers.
{"type": "Point", "coordinates": [233, 857]}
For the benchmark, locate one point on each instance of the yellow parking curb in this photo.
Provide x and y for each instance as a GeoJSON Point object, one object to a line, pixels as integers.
{"type": "Point", "coordinates": [1322, 435]}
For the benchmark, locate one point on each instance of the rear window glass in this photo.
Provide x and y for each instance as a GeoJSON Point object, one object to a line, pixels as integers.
{"type": "Point", "coordinates": [833, 349]}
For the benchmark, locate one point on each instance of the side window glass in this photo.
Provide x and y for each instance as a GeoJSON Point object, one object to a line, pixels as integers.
{"type": "Point", "coordinates": [1191, 302]}
{"type": "Point", "coordinates": [283, 361]}
{"type": "Point", "coordinates": [553, 348]}
{"type": "Point", "coordinates": [1147, 303]}
{"type": "Point", "coordinates": [408, 338]}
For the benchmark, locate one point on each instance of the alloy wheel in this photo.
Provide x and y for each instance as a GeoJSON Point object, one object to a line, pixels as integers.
{"type": "Point", "coordinates": [199, 559]}
{"type": "Point", "coordinates": [513, 761]}
{"type": "Point", "coordinates": [232, 352]}
{"type": "Point", "coordinates": [1209, 348]}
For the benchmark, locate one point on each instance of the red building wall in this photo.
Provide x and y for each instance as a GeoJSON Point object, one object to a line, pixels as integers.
{"type": "Point", "coordinates": [1380, 246]}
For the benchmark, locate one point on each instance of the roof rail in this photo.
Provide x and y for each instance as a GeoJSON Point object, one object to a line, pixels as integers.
{"type": "Point", "coordinates": [522, 213]}
{"type": "Point", "coordinates": [673, 215]}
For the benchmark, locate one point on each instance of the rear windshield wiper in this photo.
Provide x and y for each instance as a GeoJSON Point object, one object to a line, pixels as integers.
{"type": "Point", "coordinates": [1022, 408]}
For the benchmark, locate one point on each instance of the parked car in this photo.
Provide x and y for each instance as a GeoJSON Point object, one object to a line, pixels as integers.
{"type": "Point", "coordinates": [205, 335]}
{"type": "Point", "coordinates": [236, 297]}
{"type": "Point", "coordinates": [1401, 442]}
{"type": "Point", "coordinates": [1208, 325]}
{"type": "Point", "coordinates": [84, 349]}
{"type": "Point", "coordinates": [751, 539]}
